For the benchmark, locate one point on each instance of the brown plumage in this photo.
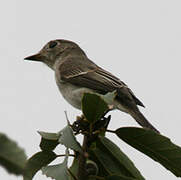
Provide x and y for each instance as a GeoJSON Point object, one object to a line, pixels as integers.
{"type": "Point", "coordinates": [76, 74]}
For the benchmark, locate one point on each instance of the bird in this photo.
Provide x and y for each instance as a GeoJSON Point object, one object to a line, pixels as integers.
{"type": "Point", "coordinates": [76, 74]}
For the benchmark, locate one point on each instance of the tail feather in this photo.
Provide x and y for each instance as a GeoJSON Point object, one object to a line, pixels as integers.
{"type": "Point", "coordinates": [141, 120]}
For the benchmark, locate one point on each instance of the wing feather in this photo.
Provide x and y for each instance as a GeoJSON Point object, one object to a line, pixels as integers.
{"type": "Point", "coordinates": [89, 75]}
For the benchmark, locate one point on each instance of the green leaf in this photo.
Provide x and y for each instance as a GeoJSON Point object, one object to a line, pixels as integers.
{"type": "Point", "coordinates": [111, 160]}
{"type": "Point", "coordinates": [58, 171]}
{"type": "Point", "coordinates": [67, 138]}
{"type": "Point", "coordinates": [93, 107]}
{"type": "Point", "coordinates": [109, 97]}
{"type": "Point", "coordinates": [49, 141]}
{"type": "Point", "coordinates": [74, 168]}
{"type": "Point", "coordinates": [12, 157]}
{"type": "Point", "coordinates": [154, 145]}
{"type": "Point", "coordinates": [49, 136]}
{"type": "Point", "coordinates": [91, 167]}
{"type": "Point", "coordinates": [36, 162]}
{"type": "Point", "coordinates": [116, 177]}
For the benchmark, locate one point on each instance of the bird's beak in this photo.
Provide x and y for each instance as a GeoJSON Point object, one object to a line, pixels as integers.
{"type": "Point", "coordinates": [35, 57]}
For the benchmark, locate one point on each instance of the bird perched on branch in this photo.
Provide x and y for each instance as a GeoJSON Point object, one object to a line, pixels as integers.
{"type": "Point", "coordinates": [76, 74]}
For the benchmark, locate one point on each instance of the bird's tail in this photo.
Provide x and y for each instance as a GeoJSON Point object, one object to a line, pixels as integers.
{"type": "Point", "coordinates": [141, 120]}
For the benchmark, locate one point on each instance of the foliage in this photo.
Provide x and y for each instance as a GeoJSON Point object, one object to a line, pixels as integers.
{"type": "Point", "coordinates": [98, 157]}
{"type": "Point", "coordinates": [12, 157]}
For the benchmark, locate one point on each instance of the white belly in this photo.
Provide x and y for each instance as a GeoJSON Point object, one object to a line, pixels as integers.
{"type": "Point", "coordinates": [73, 94]}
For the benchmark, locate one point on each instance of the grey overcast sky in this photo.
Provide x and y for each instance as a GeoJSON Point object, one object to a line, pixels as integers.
{"type": "Point", "coordinates": [137, 40]}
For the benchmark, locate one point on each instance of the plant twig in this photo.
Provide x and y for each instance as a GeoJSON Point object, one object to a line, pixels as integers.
{"type": "Point", "coordinates": [68, 122]}
{"type": "Point", "coordinates": [62, 155]}
{"type": "Point", "coordinates": [111, 131]}
{"type": "Point", "coordinates": [82, 175]}
{"type": "Point", "coordinates": [74, 177]}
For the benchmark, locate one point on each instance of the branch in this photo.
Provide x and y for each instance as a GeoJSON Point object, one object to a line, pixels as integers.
{"type": "Point", "coordinates": [82, 175]}
{"type": "Point", "coordinates": [72, 174]}
{"type": "Point", "coordinates": [62, 155]}
{"type": "Point", "coordinates": [111, 131]}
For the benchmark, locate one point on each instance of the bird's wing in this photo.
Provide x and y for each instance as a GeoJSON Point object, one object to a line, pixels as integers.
{"type": "Point", "coordinates": [87, 74]}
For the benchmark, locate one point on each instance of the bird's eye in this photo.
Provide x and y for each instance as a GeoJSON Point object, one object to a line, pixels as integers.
{"type": "Point", "coordinates": [52, 44]}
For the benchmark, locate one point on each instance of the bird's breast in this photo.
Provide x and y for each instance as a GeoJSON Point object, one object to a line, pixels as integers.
{"type": "Point", "coordinates": [72, 93]}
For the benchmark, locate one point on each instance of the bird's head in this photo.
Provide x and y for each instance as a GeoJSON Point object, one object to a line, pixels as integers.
{"type": "Point", "coordinates": [53, 50]}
